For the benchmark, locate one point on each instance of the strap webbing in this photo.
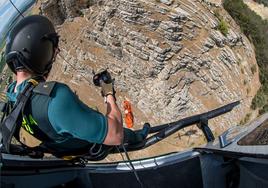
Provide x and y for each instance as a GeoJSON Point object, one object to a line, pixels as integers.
{"type": "Point", "coordinates": [9, 125]}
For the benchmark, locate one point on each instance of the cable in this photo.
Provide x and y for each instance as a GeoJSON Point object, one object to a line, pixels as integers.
{"type": "Point", "coordinates": [132, 166]}
{"type": "Point", "coordinates": [120, 153]}
{"type": "Point", "coordinates": [16, 8]}
{"type": "Point", "coordinates": [122, 156]}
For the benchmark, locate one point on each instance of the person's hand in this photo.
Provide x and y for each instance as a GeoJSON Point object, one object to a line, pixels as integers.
{"type": "Point", "coordinates": [107, 89]}
{"type": "Point", "coordinates": [104, 80]}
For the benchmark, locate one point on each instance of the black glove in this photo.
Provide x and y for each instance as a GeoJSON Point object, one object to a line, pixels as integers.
{"type": "Point", "coordinates": [104, 80]}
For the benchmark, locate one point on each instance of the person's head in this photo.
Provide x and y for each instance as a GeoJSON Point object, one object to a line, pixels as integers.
{"type": "Point", "coordinates": [32, 45]}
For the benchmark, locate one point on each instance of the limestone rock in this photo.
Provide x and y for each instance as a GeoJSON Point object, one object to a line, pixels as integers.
{"type": "Point", "coordinates": [218, 38]}
{"type": "Point", "coordinates": [167, 2]}
{"type": "Point", "coordinates": [60, 10]}
{"type": "Point", "coordinates": [51, 10]}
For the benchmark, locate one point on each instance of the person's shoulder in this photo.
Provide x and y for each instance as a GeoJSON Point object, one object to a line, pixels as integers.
{"type": "Point", "coordinates": [50, 87]}
{"type": "Point", "coordinates": [59, 85]}
{"type": "Point", "coordinates": [61, 89]}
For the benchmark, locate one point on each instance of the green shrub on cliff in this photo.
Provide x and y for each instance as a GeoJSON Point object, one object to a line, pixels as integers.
{"type": "Point", "coordinates": [223, 27]}
{"type": "Point", "coordinates": [256, 29]}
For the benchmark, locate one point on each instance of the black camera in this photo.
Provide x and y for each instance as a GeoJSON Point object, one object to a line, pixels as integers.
{"type": "Point", "coordinates": [105, 76]}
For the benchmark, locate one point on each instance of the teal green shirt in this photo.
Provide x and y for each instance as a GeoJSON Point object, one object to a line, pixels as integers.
{"type": "Point", "coordinates": [67, 114]}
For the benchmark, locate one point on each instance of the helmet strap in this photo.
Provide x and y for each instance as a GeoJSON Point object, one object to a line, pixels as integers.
{"type": "Point", "coordinates": [18, 65]}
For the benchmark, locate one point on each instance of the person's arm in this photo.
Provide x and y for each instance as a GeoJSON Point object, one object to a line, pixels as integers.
{"type": "Point", "coordinates": [115, 133]}
{"type": "Point", "coordinates": [70, 116]}
{"type": "Point", "coordinates": [115, 125]}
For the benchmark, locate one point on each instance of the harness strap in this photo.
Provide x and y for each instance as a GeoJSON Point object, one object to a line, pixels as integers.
{"type": "Point", "coordinates": [5, 109]}
{"type": "Point", "coordinates": [9, 125]}
{"type": "Point", "coordinates": [35, 152]}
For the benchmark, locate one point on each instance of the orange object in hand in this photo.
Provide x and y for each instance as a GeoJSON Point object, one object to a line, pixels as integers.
{"type": "Point", "coordinates": [129, 118]}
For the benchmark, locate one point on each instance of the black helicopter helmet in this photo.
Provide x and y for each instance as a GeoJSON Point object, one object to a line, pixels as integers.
{"type": "Point", "coordinates": [32, 44]}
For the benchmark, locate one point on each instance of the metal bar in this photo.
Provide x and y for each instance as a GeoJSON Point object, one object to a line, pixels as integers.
{"type": "Point", "coordinates": [166, 130]}
{"type": "Point", "coordinates": [203, 125]}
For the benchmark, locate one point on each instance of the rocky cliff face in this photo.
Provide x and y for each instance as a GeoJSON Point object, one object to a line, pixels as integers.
{"type": "Point", "coordinates": [59, 11]}
{"type": "Point", "coordinates": [168, 57]}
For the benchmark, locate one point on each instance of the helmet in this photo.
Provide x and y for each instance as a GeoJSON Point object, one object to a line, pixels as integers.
{"type": "Point", "coordinates": [31, 45]}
